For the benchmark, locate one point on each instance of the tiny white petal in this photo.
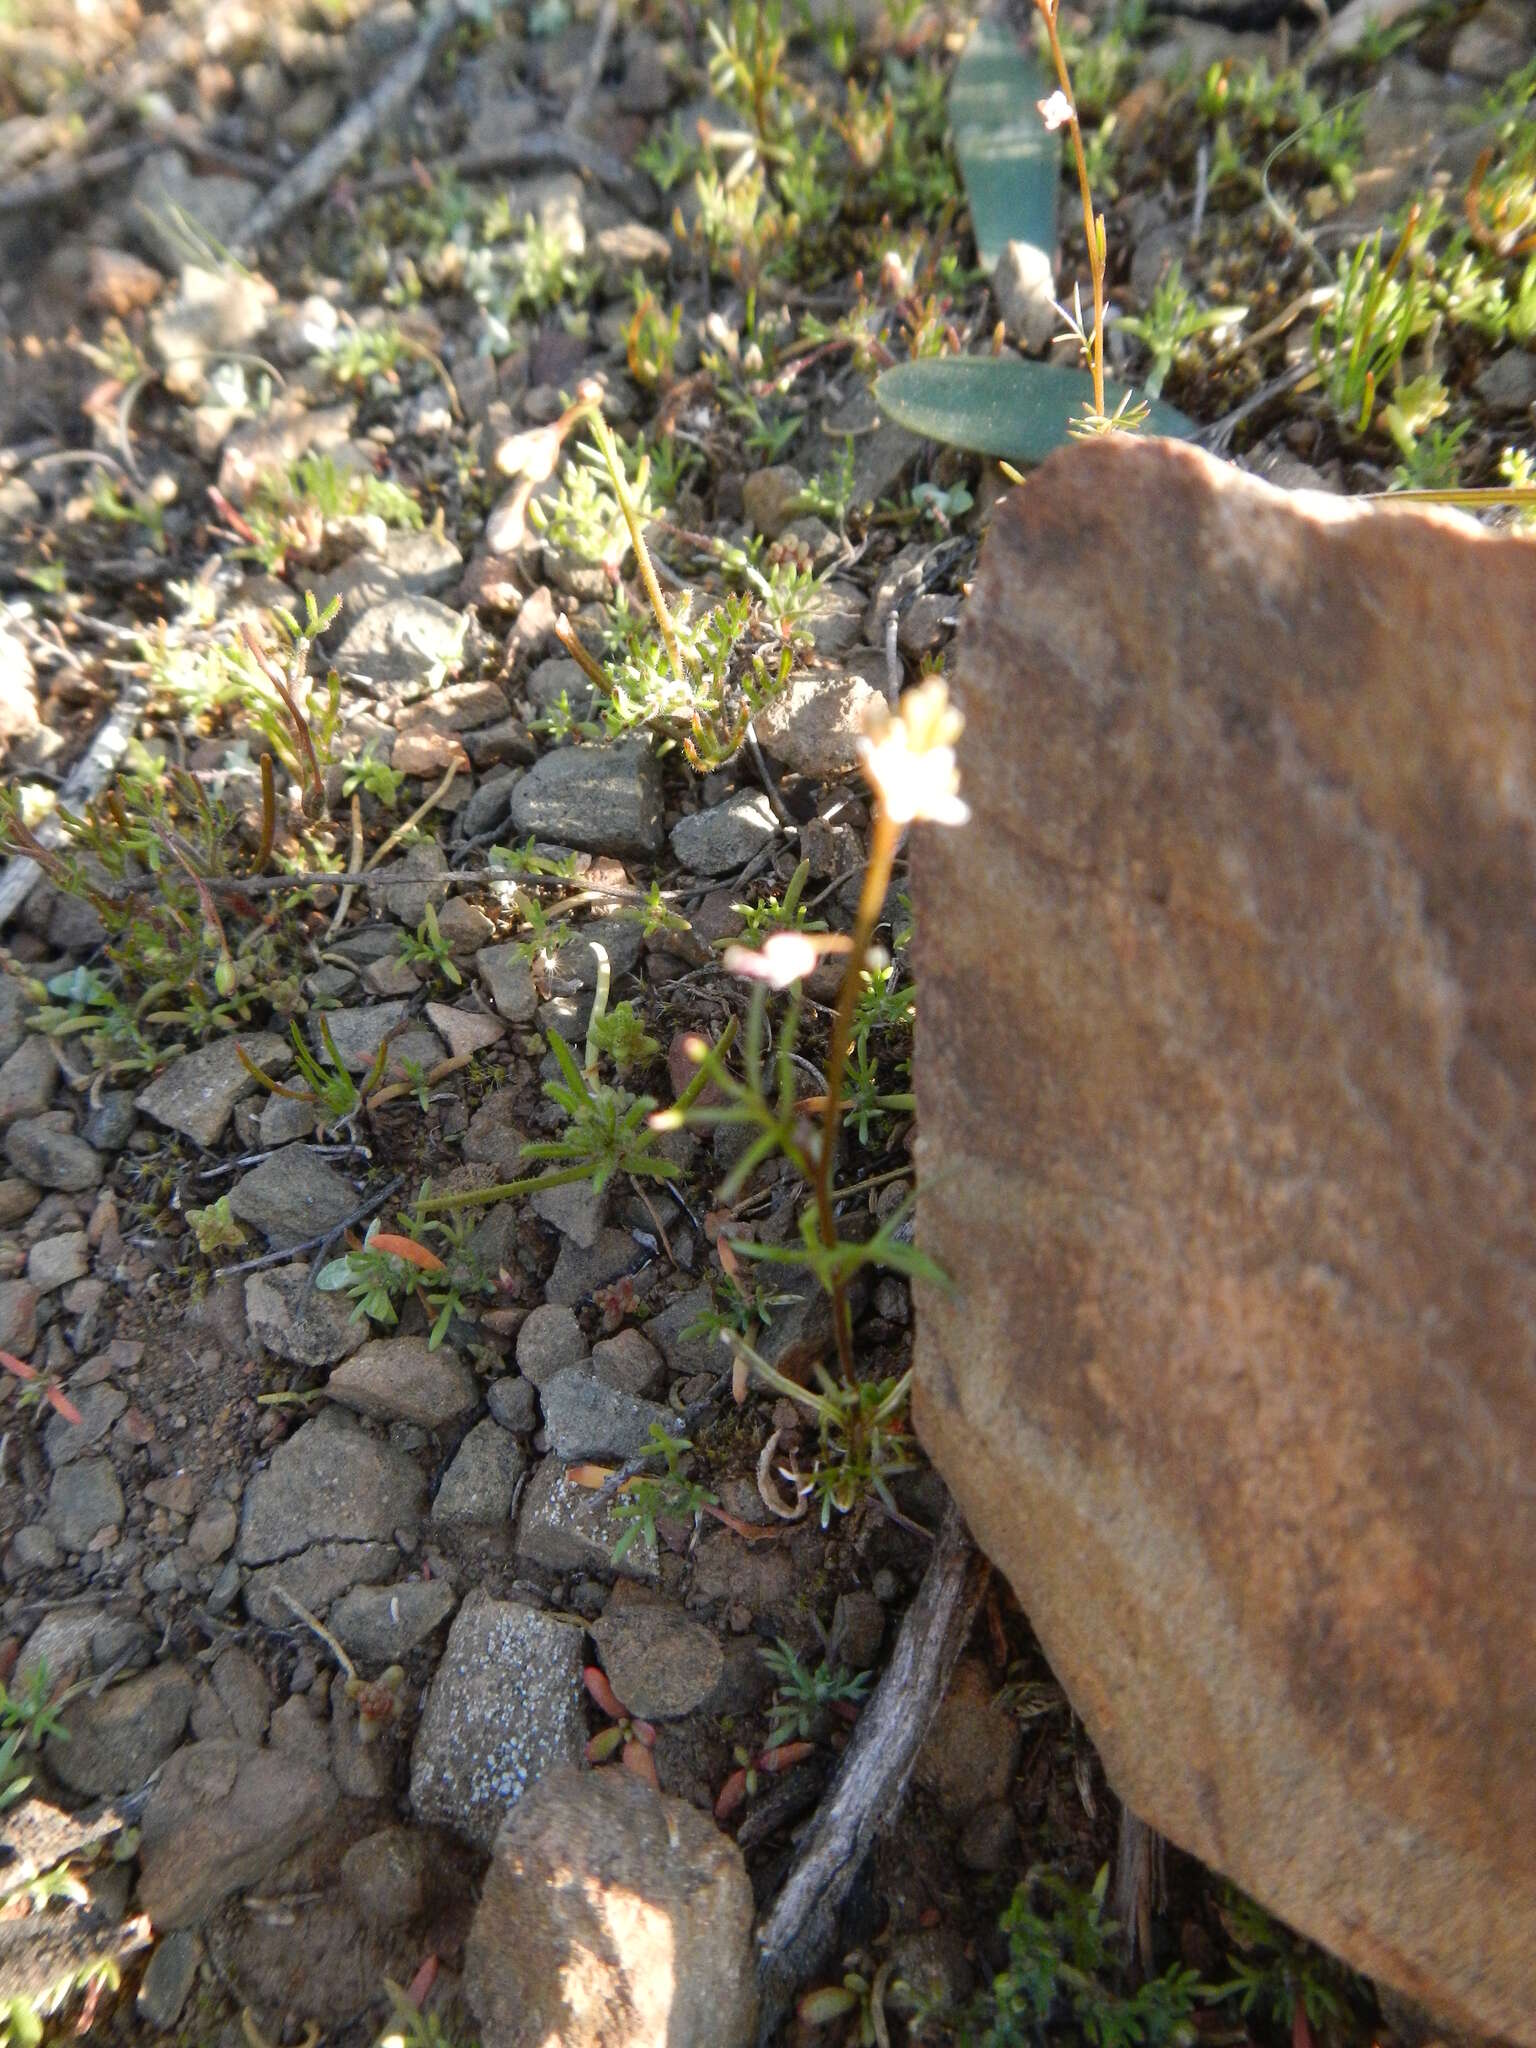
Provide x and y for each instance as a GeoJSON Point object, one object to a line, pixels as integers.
{"type": "Point", "coordinates": [1056, 111]}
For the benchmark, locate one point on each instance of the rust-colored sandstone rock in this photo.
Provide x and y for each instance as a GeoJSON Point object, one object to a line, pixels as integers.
{"type": "Point", "coordinates": [1226, 1074]}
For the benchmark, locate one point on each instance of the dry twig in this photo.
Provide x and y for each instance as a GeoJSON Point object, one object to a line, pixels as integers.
{"type": "Point", "coordinates": [800, 1932]}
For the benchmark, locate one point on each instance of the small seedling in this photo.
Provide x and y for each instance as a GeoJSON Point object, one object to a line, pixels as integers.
{"type": "Point", "coordinates": [743, 1781]}
{"type": "Point", "coordinates": [620, 1035]}
{"type": "Point", "coordinates": [215, 1228]}
{"type": "Point", "coordinates": [39, 1386]}
{"type": "Point", "coordinates": [27, 1719]}
{"type": "Point", "coordinates": [329, 1088]}
{"type": "Point", "coordinates": [426, 947]}
{"type": "Point", "coordinates": [643, 1497]}
{"type": "Point", "coordinates": [802, 1697]}
{"type": "Point", "coordinates": [374, 777]}
{"type": "Point", "coordinates": [628, 1737]}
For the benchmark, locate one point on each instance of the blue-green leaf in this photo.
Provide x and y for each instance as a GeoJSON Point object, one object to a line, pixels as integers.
{"type": "Point", "coordinates": [1010, 161]}
{"type": "Point", "coordinates": [1002, 405]}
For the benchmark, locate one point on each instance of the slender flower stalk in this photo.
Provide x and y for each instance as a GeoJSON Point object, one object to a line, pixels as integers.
{"type": "Point", "coordinates": [908, 758]}
{"type": "Point", "coordinates": [1060, 111]}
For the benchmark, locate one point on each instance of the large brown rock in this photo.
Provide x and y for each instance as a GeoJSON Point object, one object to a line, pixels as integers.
{"type": "Point", "coordinates": [612, 1917]}
{"type": "Point", "coordinates": [1226, 1069]}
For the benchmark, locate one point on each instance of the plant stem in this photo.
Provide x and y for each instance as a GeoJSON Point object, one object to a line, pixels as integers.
{"type": "Point", "coordinates": [564, 1176]}
{"type": "Point", "coordinates": [884, 838]}
{"type": "Point", "coordinates": [1093, 228]}
{"type": "Point", "coordinates": [602, 434]}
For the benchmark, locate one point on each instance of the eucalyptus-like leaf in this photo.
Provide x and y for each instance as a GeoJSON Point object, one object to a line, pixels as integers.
{"type": "Point", "coordinates": [1010, 161]}
{"type": "Point", "coordinates": [1003, 405]}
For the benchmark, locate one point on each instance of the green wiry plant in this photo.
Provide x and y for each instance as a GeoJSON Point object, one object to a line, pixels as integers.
{"type": "Point", "coordinates": [27, 1718]}
{"type": "Point", "coordinates": [802, 1697]}
{"type": "Point", "coordinates": [288, 512]}
{"type": "Point", "coordinates": [1062, 1958]}
{"type": "Point", "coordinates": [608, 1131]}
{"type": "Point", "coordinates": [180, 962]}
{"type": "Point", "coordinates": [328, 1087]}
{"type": "Point", "coordinates": [671, 1493]}
{"type": "Point", "coordinates": [694, 684]}
{"type": "Point", "coordinates": [427, 948]}
{"type": "Point", "coordinates": [1172, 322]}
{"type": "Point", "coordinates": [1364, 332]}
{"type": "Point", "coordinates": [390, 1267]}
{"type": "Point", "coordinates": [1275, 1972]}
{"type": "Point", "coordinates": [863, 1443]}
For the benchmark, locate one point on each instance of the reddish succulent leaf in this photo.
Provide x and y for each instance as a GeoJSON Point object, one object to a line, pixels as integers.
{"type": "Point", "coordinates": [639, 1762]}
{"type": "Point", "coordinates": [588, 1474]}
{"type": "Point", "coordinates": [748, 1531]}
{"type": "Point", "coordinates": [51, 1395]}
{"type": "Point", "coordinates": [732, 1793]}
{"type": "Point", "coordinates": [786, 1754]}
{"type": "Point", "coordinates": [1301, 2027]}
{"type": "Point", "coordinates": [422, 1982]}
{"type": "Point", "coordinates": [408, 1249]}
{"type": "Point", "coordinates": [596, 1682]}
{"type": "Point", "coordinates": [642, 1731]}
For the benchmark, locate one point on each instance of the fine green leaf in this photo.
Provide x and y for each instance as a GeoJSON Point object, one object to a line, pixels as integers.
{"type": "Point", "coordinates": [1002, 405]}
{"type": "Point", "coordinates": [1008, 158]}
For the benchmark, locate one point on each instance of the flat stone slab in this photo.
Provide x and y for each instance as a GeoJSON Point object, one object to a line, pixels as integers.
{"type": "Point", "coordinates": [565, 1527]}
{"type": "Point", "coordinates": [400, 1379]}
{"type": "Point", "coordinates": [1225, 1065]}
{"type": "Point", "coordinates": [602, 799]}
{"type": "Point", "coordinates": [330, 1482]}
{"type": "Point", "coordinates": [291, 1197]}
{"type": "Point", "coordinates": [725, 837]}
{"type": "Point", "coordinates": [381, 1625]}
{"type": "Point", "coordinates": [196, 1095]}
{"type": "Point", "coordinates": [586, 1418]}
{"type": "Point", "coordinates": [221, 1816]}
{"type": "Point", "coordinates": [505, 1709]}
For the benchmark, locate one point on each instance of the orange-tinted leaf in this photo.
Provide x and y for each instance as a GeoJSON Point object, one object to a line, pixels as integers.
{"type": "Point", "coordinates": [642, 1731]}
{"type": "Point", "coordinates": [408, 1249]}
{"type": "Point", "coordinates": [422, 1982]}
{"type": "Point", "coordinates": [748, 1531]}
{"type": "Point", "coordinates": [62, 1404]}
{"type": "Point", "coordinates": [786, 1754]}
{"type": "Point", "coordinates": [1301, 2026]}
{"type": "Point", "coordinates": [602, 1692]}
{"type": "Point", "coordinates": [639, 1762]}
{"type": "Point", "coordinates": [588, 1474]}
{"type": "Point", "coordinates": [732, 1793]}
{"type": "Point", "coordinates": [51, 1395]}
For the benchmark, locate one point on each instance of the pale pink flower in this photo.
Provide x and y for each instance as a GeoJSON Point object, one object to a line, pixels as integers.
{"type": "Point", "coordinates": [1057, 111]}
{"type": "Point", "coordinates": [784, 957]}
{"type": "Point", "coordinates": [909, 757]}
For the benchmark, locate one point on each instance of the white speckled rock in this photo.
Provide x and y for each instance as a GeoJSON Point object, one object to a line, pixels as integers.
{"type": "Point", "coordinates": [504, 1710]}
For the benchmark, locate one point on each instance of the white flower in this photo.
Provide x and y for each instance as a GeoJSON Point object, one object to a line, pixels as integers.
{"type": "Point", "coordinates": [895, 277]}
{"type": "Point", "coordinates": [910, 758]}
{"type": "Point", "coordinates": [1056, 112]}
{"type": "Point", "coordinates": [785, 956]}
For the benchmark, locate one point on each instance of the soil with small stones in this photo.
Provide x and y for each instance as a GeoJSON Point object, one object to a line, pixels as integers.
{"type": "Point", "coordinates": [449, 292]}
